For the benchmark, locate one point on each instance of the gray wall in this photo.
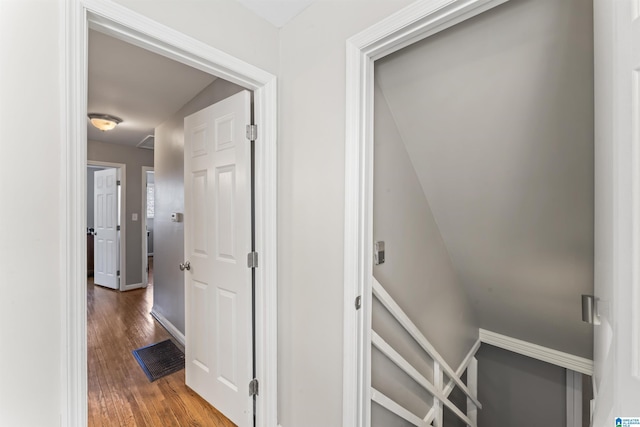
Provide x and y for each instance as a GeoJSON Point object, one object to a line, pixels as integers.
{"type": "Point", "coordinates": [497, 117]}
{"type": "Point", "coordinates": [168, 280]}
{"type": "Point", "coordinates": [519, 391]}
{"type": "Point", "coordinates": [135, 159]}
{"type": "Point", "coordinates": [417, 273]}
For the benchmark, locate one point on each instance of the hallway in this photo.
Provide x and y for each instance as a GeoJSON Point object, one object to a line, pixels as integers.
{"type": "Point", "coordinates": [119, 392]}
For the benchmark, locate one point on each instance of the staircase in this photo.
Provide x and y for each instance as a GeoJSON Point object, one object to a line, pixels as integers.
{"type": "Point", "coordinates": [444, 377]}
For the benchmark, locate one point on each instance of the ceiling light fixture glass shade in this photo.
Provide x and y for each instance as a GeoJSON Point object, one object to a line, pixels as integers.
{"type": "Point", "coordinates": [104, 122]}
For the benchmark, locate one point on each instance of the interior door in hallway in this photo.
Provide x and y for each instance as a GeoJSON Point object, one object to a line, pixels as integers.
{"type": "Point", "coordinates": [106, 246]}
{"type": "Point", "coordinates": [218, 237]}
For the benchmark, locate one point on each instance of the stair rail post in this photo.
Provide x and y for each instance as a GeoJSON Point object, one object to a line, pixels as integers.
{"type": "Point", "coordinates": [472, 384]}
{"type": "Point", "coordinates": [438, 382]}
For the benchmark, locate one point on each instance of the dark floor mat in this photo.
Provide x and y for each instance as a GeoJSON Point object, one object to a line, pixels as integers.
{"type": "Point", "coordinates": [160, 359]}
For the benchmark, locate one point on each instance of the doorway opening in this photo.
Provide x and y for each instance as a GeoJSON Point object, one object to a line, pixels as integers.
{"type": "Point", "coordinates": [366, 234]}
{"type": "Point", "coordinates": [148, 209]}
{"type": "Point", "coordinates": [128, 26]}
{"type": "Point", "coordinates": [416, 22]}
{"type": "Point", "coordinates": [107, 260]}
{"type": "Point", "coordinates": [176, 302]}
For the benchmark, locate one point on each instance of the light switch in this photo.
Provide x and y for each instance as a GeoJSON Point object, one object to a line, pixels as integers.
{"type": "Point", "coordinates": [134, 217]}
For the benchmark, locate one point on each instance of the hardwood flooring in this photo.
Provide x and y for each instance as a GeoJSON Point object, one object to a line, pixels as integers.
{"type": "Point", "coordinates": [119, 392]}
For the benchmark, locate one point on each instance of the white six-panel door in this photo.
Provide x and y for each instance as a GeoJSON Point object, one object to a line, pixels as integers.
{"type": "Point", "coordinates": [617, 214]}
{"type": "Point", "coordinates": [217, 230]}
{"type": "Point", "coordinates": [105, 200]}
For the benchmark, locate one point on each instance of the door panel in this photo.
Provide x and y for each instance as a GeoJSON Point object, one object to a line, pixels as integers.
{"type": "Point", "coordinates": [217, 238]}
{"type": "Point", "coordinates": [106, 249]}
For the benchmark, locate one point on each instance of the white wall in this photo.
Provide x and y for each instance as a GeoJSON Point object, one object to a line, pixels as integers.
{"type": "Point", "coordinates": [311, 207]}
{"type": "Point", "coordinates": [224, 24]}
{"type": "Point", "coordinates": [30, 291]}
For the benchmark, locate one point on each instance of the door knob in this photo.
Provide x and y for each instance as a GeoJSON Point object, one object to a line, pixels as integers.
{"type": "Point", "coordinates": [185, 266]}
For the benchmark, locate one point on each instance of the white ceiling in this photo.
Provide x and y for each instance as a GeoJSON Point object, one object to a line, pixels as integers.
{"type": "Point", "coordinates": [497, 118]}
{"type": "Point", "coordinates": [140, 87]}
{"type": "Point", "coordinates": [277, 12]}
{"type": "Point", "coordinates": [143, 88]}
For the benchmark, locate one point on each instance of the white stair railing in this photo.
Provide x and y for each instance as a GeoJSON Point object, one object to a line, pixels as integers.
{"type": "Point", "coordinates": [441, 369]}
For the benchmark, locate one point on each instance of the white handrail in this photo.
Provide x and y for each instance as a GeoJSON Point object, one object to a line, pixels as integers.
{"type": "Point", "coordinates": [431, 415]}
{"type": "Point", "coordinates": [413, 330]}
{"type": "Point", "coordinates": [434, 389]}
{"type": "Point", "coordinates": [394, 407]}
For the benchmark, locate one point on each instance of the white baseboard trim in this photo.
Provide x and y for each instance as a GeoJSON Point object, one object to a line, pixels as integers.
{"type": "Point", "coordinates": [179, 336]}
{"type": "Point", "coordinates": [535, 351]}
{"type": "Point", "coordinates": [132, 286]}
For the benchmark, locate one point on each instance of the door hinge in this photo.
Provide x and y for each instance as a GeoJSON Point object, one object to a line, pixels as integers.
{"type": "Point", "coordinates": [118, 227]}
{"type": "Point", "coordinates": [118, 182]}
{"type": "Point", "coordinates": [118, 273]}
{"type": "Point", "coordinates": [358, 302]}
{"type": "Point", "coordinates": [253, 387]}
{"type": "Point", "coordinates": [252, 260]}
{"type": "Point", "coordinates": [252, 132]}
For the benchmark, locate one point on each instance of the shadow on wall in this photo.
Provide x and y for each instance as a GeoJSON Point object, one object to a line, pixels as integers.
{"type": "Point", "coordinates": [516, 390]}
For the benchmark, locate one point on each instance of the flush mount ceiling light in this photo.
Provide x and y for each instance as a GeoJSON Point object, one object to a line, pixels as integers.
{"type": "Point", "coordinates": [104, 122]}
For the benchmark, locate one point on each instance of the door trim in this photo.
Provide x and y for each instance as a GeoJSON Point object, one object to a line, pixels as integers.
{"type": "Point", "coordinates": [409, 25]}
{"type": "Point", "coordinates": [143, 218]}
{"type": "Point", "coordinates": [118, 21]}
{"type": "Point", "coordinates": [122, 168]}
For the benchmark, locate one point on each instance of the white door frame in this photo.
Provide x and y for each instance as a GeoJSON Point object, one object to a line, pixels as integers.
{"type": "Point", "coordinates": [122, 176]}
{"type": "Point", "coordinates": [143, 217]}
{"type": "Point", "coordinates": [409, 25]}
{"type": "Point", "coordinates": [122, 23]}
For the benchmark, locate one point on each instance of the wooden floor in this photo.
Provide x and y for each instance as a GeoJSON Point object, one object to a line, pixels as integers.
{"type": "Point", "coordinates": [119, 392]}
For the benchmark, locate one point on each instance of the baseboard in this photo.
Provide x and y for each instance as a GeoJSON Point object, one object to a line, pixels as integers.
{"type": "Point", "coordinates": [132, 286]}
{"type": "Point", "coordinates": [179, 336]}
{"type": "Point", "coordinates": [535, 351]}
